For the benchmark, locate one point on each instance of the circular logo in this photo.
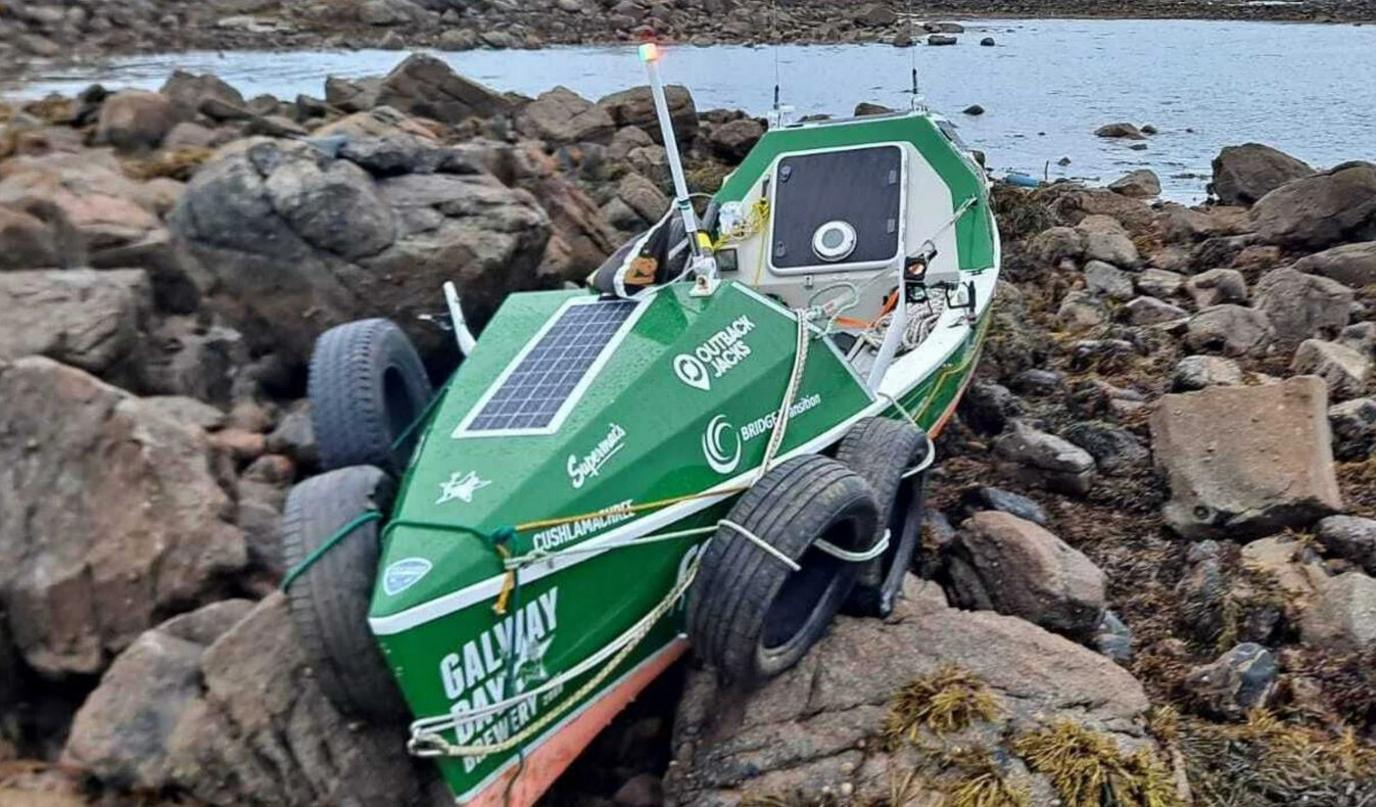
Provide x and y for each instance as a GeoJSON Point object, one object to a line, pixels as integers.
{"type": "Point", "coordinates": [719, 432]}
{"type": "Point", "coordinates": [691, 372]}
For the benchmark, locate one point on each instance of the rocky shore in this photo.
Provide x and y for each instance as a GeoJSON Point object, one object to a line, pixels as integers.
{"type": "Point", "coordinates": [1147, 575]}
{"type": "Point", "coordinates": [67, 29]}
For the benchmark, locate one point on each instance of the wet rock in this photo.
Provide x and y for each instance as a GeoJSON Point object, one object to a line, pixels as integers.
{"type": "Point", "coordinates": [636, 107]}
{"type": "Point", "coordinates": [186, 358]}
{"type": "Point", "coordinates": [813, 727]}
{"type": "Point", "coordinates": [1301, 306]}
{"type": "Point", "coordinates": [188, 92]}
{"type": "Point", "coordinates": [1125, 131]}
{"type": "Point", "coordinates": [875, 15]}
{"type": "Point", "coordinates": [940, 40]}
{"type": "Point", "coordinates": [1201, 593]}
{"type": "Point", "coordinates": [1080, 311]}
{"type": "Point", "coordinates": [1354, 429]}
{"type": "Point", "coordinates": [1074, 204]}
{"type": "Point", "coordinates": [92, 320]}
{"type": "Point", "coordinates": [35, 235]}
{"type": "Point", "coordinates": [1140, 184]}
{"type": "Point", "coordinates": [1343, 369]}
{"type": "Point", "coordinates": [186, 410]}
{"type": "Point", "coordinates": [389, 12]}
{"type": "Point", "coordinates": [1159, 283]}
{"type": "Point", "coordinates": [987, 407]}
{"type": "Point", "coordinates": [1002, 563]}
{"type": "Point", "coordinates": [1350, 538]}
{"type": "Point", "coordinates": [88, 191]}
{"type": "Point", "coordinates": [733, 140]}
{"type": "Point", "coordinates": [563, 116]}
{"type": "Point", "coordinates": [1242, 175]}
{"type": "Point", "coordinates": [642, 196]}
{"type": "Point", "coordinates": [427, 87]}
{"type": "Point", "coordinates": [135, 120]}
{"type": "Point", "coordinates": [252, 728]}
{"type": "Point", "coordinates": [1197, 372]}
{"type": "Point", "coordinates": [1115, 450]}
{"type": "Point", "coordinates": [988, 42]}
{"type": "Point", "coordinates": [294, 436]}
{"type": "Point", "coordinates": [973, 109]}
{"type": "Point", "coordinates": [1321, 211]}
{"type": "Point", "coordinates": [1233, 330]}
{"type": "Point", "coordinates": [1151, 311]}
{"type": "Point", "coordinates": [285, 229]}
{"type": "Point", "coordinates": [1055, 244]}
{"type": "Point", "coordinates": [1240, 680]}
{"type": "Point", "coordinates": [1246, 461]}
{"type": "Point", "coordinates": [1216, 287]}
{"type": "Point", "coordinates": [979, 499]}
{"type": "Point", "coordinates": [1343, 617]}
{"type": "Point", "coordinates": [122, 739]}
{"type": "Point", "coordinates": [1353, 265]}
{"type": "Point", "coordinates": [1104, 278]}
{"type": "Point", "coordinates": [1036, 458]}
{"type": "Point", "coordinates": [350, 95]}
{"type": "Point", "coordinates": [1038, 381]}
{"type": "Point", "coordinates": [126, 516]}
{"type": "Point", "coordinates": [1107, 241]}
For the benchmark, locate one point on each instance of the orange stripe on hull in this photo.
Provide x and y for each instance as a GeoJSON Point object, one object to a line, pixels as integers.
{"type": "Point", "coordinates": [547, 762]}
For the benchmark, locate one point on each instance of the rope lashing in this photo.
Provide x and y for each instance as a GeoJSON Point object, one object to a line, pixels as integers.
{"type": "Point", "coordinates": [769, 549]}
{"type": "Point", "coordinates": [366, 517]}
{"type": "Point", "coordinates": [880, 547]}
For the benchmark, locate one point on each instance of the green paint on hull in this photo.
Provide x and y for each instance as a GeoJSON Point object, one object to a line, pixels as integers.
{"type": "Point", "coordinates": [683, 405]}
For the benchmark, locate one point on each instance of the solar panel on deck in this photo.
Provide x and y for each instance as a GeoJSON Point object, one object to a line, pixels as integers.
{"type": "Point", "coordinates": [532, 395]}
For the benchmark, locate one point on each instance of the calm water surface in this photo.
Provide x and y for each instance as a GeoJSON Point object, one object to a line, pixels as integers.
{"type": "Point", "coordinates": [1307, 89]}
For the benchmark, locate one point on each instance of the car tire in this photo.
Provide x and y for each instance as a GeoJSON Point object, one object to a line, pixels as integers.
{"type": "Point", "coordinates": [367, 388]}
{"type": "Point", "coordinates": [329, 601]}
{"type": "Point", "coordinates": [749, 615]}
{"type": "Point", "coordinates": [881, 450]}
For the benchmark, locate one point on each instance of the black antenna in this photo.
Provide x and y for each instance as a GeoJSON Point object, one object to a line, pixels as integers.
{"type": "Point", "coordinates": [774, 44]}
{"type": "Point", "coordinates": [912, 48]}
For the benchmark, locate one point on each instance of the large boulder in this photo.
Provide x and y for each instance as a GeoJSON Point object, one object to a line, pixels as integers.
{"type": "Point", "coordinates": [1000, 562]}
{"type": "Point", "coordinates": [88, 191]}
{"type": "Point", "coordinates": [1233, 330]}
{"type": "Point", "coordinates": [27, 241]}
{"type": "Point", "coordinates": [123, 516]}
{"type": "Point", "coordinates": [636, 107]}
{"type": "Point", "coordinates": [563, 116]}
{"type": "Point", "coordinates": [1243, 174]}
{"type": "Point", "coordinates": [1321, 211]}
{"type": "Point", "coordinates": [120, 737]}
{"type": "Point", "coordinates": [300, 241]}
{"type": "Point", "coordinates": [1344, 369]}
{"type": "Point", "coordinates": [817, 729]}
{"type": "Point", "coordinates": [427, 87]}
{"type": "Point", "coordinates": [1301, 306]}
{"type": "Point", "coordinates": [226, 710]}
{"type": "Point", "coordinates": [135, 120]}
{"type": "Point", "coordinates": [1351, 264]}
{"type": "Point", "coordinates": [190, 92]}
{"type": "Point", "coordinates": [92, 320]}
{"type": "Point", "coordinates": [1246, 461]}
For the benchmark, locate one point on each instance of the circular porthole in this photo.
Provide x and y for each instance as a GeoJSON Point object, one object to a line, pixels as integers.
{"type": "Point", "coordinates": [834, 241]}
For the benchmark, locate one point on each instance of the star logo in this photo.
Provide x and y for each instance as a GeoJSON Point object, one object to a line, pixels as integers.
{"type": "Point", "coordinates": [460, 486]}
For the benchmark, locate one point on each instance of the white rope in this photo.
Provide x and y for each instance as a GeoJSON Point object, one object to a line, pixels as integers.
{"type": "Point", "coordinates": [762, 544]}
{"type": "Point", "coordinates": [931, 447]}
{"type": "Point", "coordinates": [880, 547]}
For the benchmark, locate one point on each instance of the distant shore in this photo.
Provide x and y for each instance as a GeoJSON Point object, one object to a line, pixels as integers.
{"type": "Point", "coordinates": [29, 32]}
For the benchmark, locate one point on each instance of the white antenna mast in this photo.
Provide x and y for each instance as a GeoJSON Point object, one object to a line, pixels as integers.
{"type": "Point", "coordinates": [702, 263]}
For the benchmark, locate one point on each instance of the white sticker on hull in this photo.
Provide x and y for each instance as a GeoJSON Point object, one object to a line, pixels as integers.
{"type": "Point", "coordinates": [720, 354]}
{"type": "Point", "coordinates": [721, 445]}
{"type": "Point", "coordinates": [461, 486]}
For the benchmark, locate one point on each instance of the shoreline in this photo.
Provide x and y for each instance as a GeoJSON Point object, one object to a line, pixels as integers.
{"type": "Point", "coordinates": [171, 28]}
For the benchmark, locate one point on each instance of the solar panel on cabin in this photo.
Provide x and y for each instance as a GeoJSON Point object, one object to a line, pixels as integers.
{"type": "Point", "coordinates": [532, 395]}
